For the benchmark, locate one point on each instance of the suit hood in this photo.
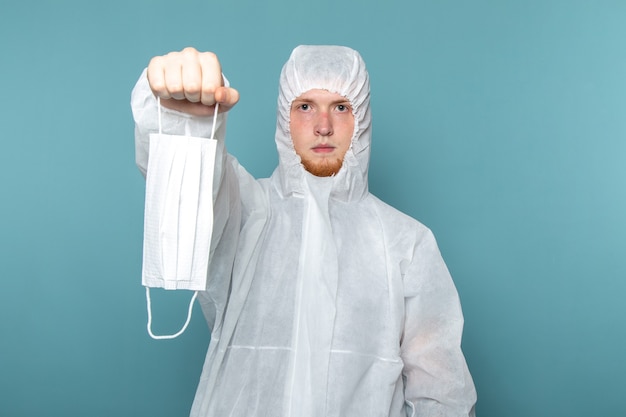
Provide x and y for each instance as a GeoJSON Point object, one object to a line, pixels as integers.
{"type": "Point", "coordinates": [340, 70]}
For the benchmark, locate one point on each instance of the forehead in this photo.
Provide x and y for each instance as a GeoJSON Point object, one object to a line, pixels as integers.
{"type": "Point", "coordinates": [321, 96]}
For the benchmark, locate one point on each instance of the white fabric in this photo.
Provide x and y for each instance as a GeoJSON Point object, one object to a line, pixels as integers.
{"type": "Point", "coordinates": [323, 300]}
{"type": "Point", "coordinates": [178, 219]}
{"type": "Point", "coordinates": [178, 216]}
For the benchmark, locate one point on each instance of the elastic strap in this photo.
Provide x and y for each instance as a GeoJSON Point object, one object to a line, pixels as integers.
{"type": "Point", "coordinates": [217, 106]}
{"type": "Point", "coordinates": [195, 294]}
{"type": "Point", "coordinates": [159, 112]}
{"type": "Point", "coordinates": [168, 336]}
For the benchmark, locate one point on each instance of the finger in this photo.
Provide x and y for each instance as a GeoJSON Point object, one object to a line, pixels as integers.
{"type": "Point", "coordinates": [173, 75]}
{"type": "Point", "coordinates": [191, 73]}
{"type": "Point", "coordinates": [211, 77]}
{"type": "Point", "coordinates": [156, 77]}
{"type": "Point", "coordinates": [227, 97]}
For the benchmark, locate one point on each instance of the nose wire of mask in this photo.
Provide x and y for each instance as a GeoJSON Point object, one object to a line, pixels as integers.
{"type": "Point", "coordinates": [195, 294]}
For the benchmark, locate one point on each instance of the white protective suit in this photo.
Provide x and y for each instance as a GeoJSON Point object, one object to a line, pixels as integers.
{"type": "Point", "coordinates": [322, 299]}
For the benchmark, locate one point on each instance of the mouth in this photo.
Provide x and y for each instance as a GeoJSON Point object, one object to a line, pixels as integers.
{"type": "Point", "coordinates": [323, 149]}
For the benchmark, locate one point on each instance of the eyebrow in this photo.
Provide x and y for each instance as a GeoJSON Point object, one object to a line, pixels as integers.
{"type": "Point", "coordinates": [310, 100]}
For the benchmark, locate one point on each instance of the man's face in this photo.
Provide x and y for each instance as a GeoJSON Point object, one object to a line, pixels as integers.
{"type": "Point", "coordinates": [321, 125]}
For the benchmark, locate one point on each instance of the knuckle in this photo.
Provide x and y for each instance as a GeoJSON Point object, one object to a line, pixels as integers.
{"type": "Point", "coordinates": [193, 87]}
{"type": "Point", "coordinates": [209, 56]}
{"type": "Point", "coordinates": [157, 85]}
{"type": "Point", "coordinates": [174, 87]}
{"type": "Point", "coordinates": [189, 53]}
{"type": "Point", "coordinates": [171, 56]}
{"type": "Point", "coordinates": [209, 59]}
{"type": "Point", "coordinates": [207, 99]}
{"type": "Point", "coordinates": [156, 62]}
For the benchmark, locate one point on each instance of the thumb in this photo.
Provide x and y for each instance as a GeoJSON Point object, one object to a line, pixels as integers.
{"type": "Point", "coordinates": [227, 97]}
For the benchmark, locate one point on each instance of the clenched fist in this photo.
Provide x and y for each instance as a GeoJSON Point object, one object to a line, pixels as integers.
{"type": "Point", "coordinates": [190, 81]}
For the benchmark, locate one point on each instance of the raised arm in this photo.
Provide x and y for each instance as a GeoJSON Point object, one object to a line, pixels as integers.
{"type": "Point", "coordinates": [189, 84]}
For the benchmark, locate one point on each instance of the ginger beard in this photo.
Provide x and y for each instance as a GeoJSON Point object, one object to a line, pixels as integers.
{"type": "Point", "coordinates": [321, 126]}
{"type": "Point", "coordinates": [325, 168]}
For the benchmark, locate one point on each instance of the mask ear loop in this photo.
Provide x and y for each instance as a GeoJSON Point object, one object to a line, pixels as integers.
{"type": "Point", "coordinates": [168, 336]}
{"type": "Point", "coordinates": [195, 293]}
{"type": "Point", "coordinates": [159, 114]}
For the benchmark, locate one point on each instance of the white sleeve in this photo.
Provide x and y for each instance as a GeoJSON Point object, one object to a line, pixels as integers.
{"type": "Point", "coordinates": [437, 380]}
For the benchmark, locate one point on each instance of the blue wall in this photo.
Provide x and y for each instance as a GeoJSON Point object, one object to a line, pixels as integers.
{"type": "Point", "coordinates": [499, 124]}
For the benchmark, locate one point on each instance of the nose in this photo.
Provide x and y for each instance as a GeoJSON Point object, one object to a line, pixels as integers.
{"type": "Point", "coordinates": [323, 125]}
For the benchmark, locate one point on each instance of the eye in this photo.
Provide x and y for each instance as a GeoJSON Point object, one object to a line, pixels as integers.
{"type": "Point", "coordinates": [301, 106]}
{"type": "Point", "coordinates": [342, 108]}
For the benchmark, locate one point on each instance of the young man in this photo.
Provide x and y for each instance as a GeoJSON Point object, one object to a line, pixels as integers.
{"type": "Point", "coordinates": [322, 299]}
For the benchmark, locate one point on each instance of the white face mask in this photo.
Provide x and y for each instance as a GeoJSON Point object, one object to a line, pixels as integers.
{"type": "Point", "coordinates": [178, 220]}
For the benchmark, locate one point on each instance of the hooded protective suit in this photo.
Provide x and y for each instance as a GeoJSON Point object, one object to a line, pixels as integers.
{"type": "Point", "coordinates": [322, 299]}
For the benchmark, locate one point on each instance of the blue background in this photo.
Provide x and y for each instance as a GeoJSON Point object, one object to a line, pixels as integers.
{"type": "Point", "coordinates": [499, 124]}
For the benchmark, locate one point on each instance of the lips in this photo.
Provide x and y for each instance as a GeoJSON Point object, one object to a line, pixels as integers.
{"type": "Point", "coordinates": [323, 148]}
